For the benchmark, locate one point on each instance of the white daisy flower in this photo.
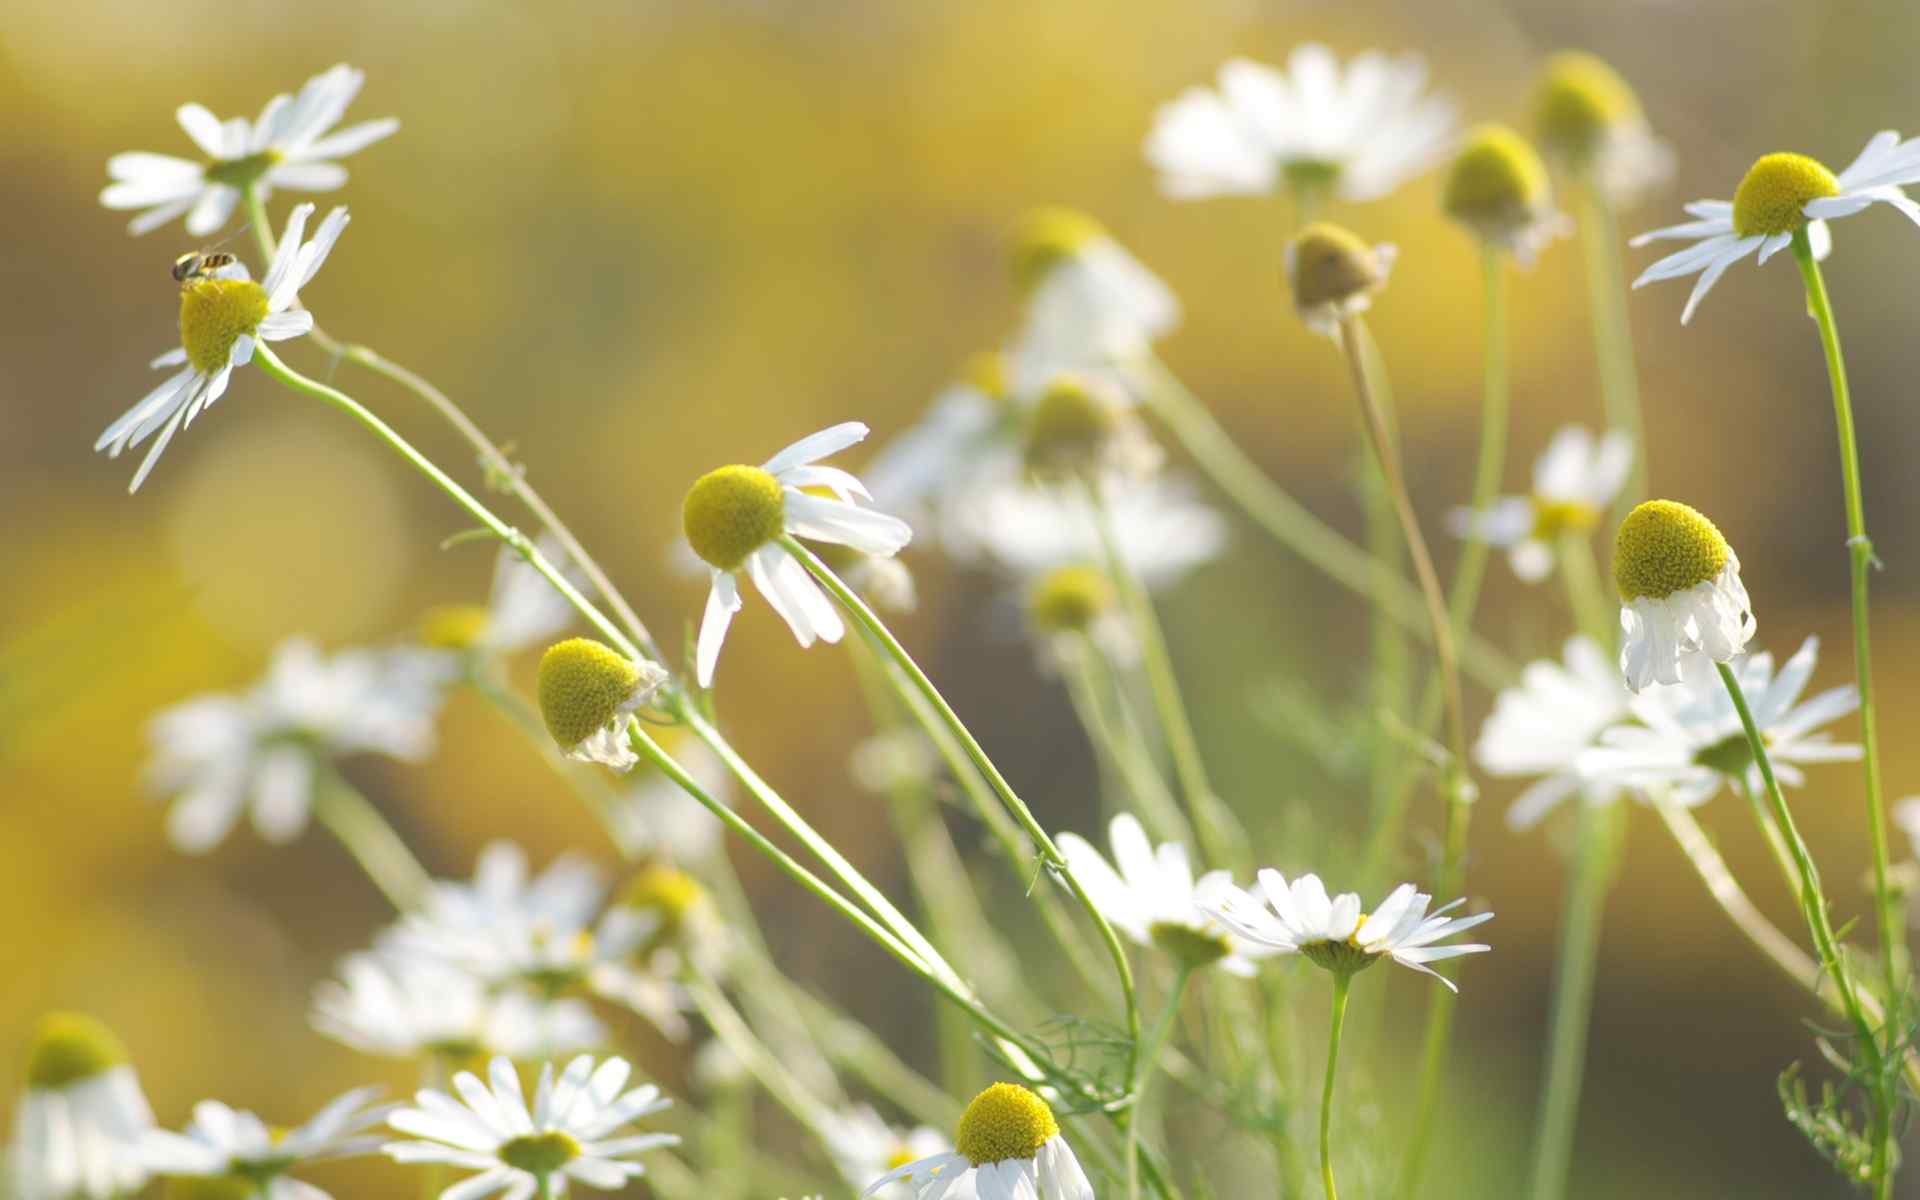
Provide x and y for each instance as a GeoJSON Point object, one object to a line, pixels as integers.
{"type": "Point", "coordinates": [1574, 480]}
{"type": "Point", "coordinates": [1498, 187]}
{"type": "Point", "coordinates": [865, 1147]}
{"type": "Point", "coordinates": [1680, 593]}
{"type": "Point", "coordinates": [523, 608]}
{"type": "Point", "coordinates": [1008, 1147]}
{"type": "Point", "coordinates": [260, 751]}
{"type": "Point", "coordinates": [1335, 933]}
{"type": "Point", "coordinates": [966, 432]}
{"type": "Point", "coordinates": [1590, 121]}
{"type": "Point", "coordinates": [1781, 195]}
{"type": "Point", "coordinates": [1161, 528]}
{"type": "Point", "coordinates": [588, 692]}
{"type": "Point", "coordinates": [1542, 725]}
{"type": "Point", "coordinates": [223, 314]}
{"type": "Point", "coordinates": [1314, 128]}
{"type": "Point", "coordinates": [288, 146]}
{"type": "Point", "coordinates": [1151, 898]}
{"type": "Point", "coordinates": [734, 515]}
{"type": "Point", "coordinates": [77, 1128]}
{"type": "Point", "coordinates": [1089, 303]}
{"type": "Point", "coordinates": [571, 1133]}
{"type": "Point", "coordinates": [221, 1141]}
{"type": "Point", "coordinates": [1690, 739]}
{"type": "Point", "coordinates": [413, 1008]}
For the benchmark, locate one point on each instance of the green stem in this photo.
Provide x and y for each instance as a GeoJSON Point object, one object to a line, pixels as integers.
{"type": "Point", "coordinates": [1599, 838]}
{"type": "Point", "coordinates": [1143, 1075]}
{"type": "Point", "coordinates": [1612, 333]}
{"type": "Point", "coordinates": [1341, 982]}
{"type": "Point", "coordinates": [1490, 465]}
{"type": "Point", "coordinates": [1119, 740]}
{"type": "Point", "coordinates": [360, 829]}
{"type": "Point", "coordinates": [1050, 855]}
{"type": "Point", "coordinates": [765, 1067]}
{"type": "Point", "coordinates": [1585, 594]}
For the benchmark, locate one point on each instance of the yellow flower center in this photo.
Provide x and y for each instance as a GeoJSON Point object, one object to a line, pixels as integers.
{"type": "Point", "coordinates": [1553, 518]}
{"type": "Point", "coordinates": [213, 315]}
{"type": "Point", "coordinates": [1004, 1122]}
{"type": "Point", "coordinates": [1069, 427]}
{"type": "Point", "coordinates": [731, 512]}
{"type": "Point", "coordinates": [453, 626]}
{"type": "Point", "coordinates": [584, 685]}
{"type": "Point", "coordinates": [1069, 600]}
{"type": "Point", "coordinates": [1191, 947]}
{"type": "Point", "coordinates": [1047, 237]}
{"type": "Point", "coordinates": [1580, 100]}
{"type": "Point", "coordinates": [1342, 958]}
{"type": "Point", "coordinates": [987, 371]}
{"type": "Point", "coordinates": [670, 895]}
{"type": "Point", "coordinates": [539, 1154]}
{"type": "Point", "coordinates": [1665, 547]}
{"type": "Point", "coordinates": [900, 1157]}
{"type": "Point", "coordinates": [1776, 190]}
{"type": "Point", "coordinates": [70, 1047]}
{"type": "Point", "coordinates": [1497, 184]}
{"type": "Point", "coordinates": [1328, 265]}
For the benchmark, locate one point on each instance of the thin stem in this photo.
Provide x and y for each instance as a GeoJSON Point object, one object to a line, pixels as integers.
{"type": "Point", "coordinates": [1602, 830]}
{"type": "Point", "coordinates": [1612, 333]}
{"type": "Point", "coordinates": [1341, 982]}
{"type": "Point", "coordinates": [1144, 1064]}
{"type": "Point", "coordinates": [1585, 593]}
{"type": "Point", "coordinates": [766, 1068]}
{"type": "Point", "coordinates": [1470, 571]}
{"type": "Point", "coordinates": [1120, 742]}
{"type": "Point", "coordinates": [360, 829]}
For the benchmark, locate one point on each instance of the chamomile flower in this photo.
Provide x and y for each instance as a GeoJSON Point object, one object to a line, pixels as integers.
{"type": "Point", "coordinates": [1159, 526]}
{"type": "Point", "coordinates": [965, 435]}
{"type": "Point", "coordinates": [1680, 593]}
{"type": "Point", "coordinates": [734, 516]}
{"type": "Point", "coordinates": [1151, 897]}
{"type": "Point", "coordinates": [1072, 606]}
{"type": "Point", "coordinates": [288, 146]}
{"type": "Point", "coordinates": [1358, 132]}
{"type": "Point", "coordinates": [262, 750]}
{"type": "Point", "coordinates": [1781, 196]}
{"type": "Point", "coordinates": [1007, 1147]}
{"type": "Point", "coordinates": [1589, 122]}
{"type": "Point", "coordinates": [1335, 933]}
{"type": "Point", "coordinates": [1690, 739]}
{"type": "Point", "coordinates": [523, 609]}
{"type": "Point", "coordinates": [222, 1142]}
{"type": "Point", "coordinates": [223, 314]}
{"type": "Point", "coordinates": [1498, 188]}
{"type": "Point", "coordinates": [572, 1133]}
{"type": "Point", "coordinates": [1545, 722]}
{"type": "Point", "coordinates": [412, 1008]}
{"type": "Point", "coordinates": [1081, 428]}
{"type": "Point", "coordinates": [1089, 304]}
{"type": "Point", "coordinates": [864, 1147]}
{"type": "Point", "coordinates": [588, 691]}
{"type": "Point", "coordinates": [1333, 275]}
{"type": "Point", "coordinates": [77, 1127]}
{"type": "Point", "coordinates": [1574, 480]}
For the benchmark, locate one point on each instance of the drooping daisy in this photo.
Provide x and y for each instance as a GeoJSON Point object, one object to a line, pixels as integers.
{"type": "Point", "coordinates": [1784, 195]}
{"type": "Point", "coordinates": [733, 517]}
{"type": "Point", "coordinates": [1690, 739]}
{"type": "Point", "coordinates": [1590, 122]}
{"type": "Point", "coordinates": [523, 609]}
{"type": "Point", "coordinates": [1151, 898]}
{"type": "Point", "coordinates": [77, 1128]}
{"type": "Point", "coordinates": [1574, 480]}
{"type": "Point", "coordinates": [571, 1133]}
{"type": "Point", "coordinates": [1007, 1147]}
{"type": "Point", "coordinates": [1336, 934]}
{"type": "Point", "coordinates": [288, 146]}
{"type": "Point", "coordinates": [1498, 188]}
{"type": "Point", "coordinates": [222, 1142]}
{"type": "Point", "coordinates": [1088, 303]}
{"type": "Point", "coordinates": [261, 750]}
{"type": "Point", "coordinates": [588, 692]}
{"type": "Point", "coordinates": [1333, 275]}
{"type": "Point", "coordinates": [865, 1147]}
{"type": "Point", "coordinates": [1680, 593]}
{"type": "Point", "coordinates": [1543, 724]}
{"type": "Point", "coordinates": [223, 313]}
{"type": "Point", "coordinates": [414, 1008]}
{"type": "Point", "coordinates": [1313, 129]}
{"type": "Point", "coordinates": [1161, 528]}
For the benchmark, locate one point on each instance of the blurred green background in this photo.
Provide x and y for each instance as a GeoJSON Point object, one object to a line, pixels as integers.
{"type": "Point", "coordinates": [638, 240]}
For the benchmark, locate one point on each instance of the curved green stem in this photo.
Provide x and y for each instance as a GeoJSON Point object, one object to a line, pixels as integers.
{"type": "Point", "coordinates": [1341, 982]}
{"type": "Point", "coordinates": [1118, 739]}
{"type": "Point", "coordinates": [1612, 333]}
{"type": "Point", "coordinates": [766, 1068]}
{"type": "Point", "coordinates": [1143, 1070]}
{"type": "Point", "coordinates": [360, 829]}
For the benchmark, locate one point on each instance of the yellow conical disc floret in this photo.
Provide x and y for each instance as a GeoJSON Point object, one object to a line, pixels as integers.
{"type": "Point", "coordinates": [1579, 101]}
{"type": "Point", "coordinates": [453, 626]}
{"type": "Point", "coordinates": [1497, 182]}
{"type": "Point", "coordinates": [1665, 547]}
{"type": "Point", "coordinates": [1047, 237]}
{"type": "Point", "coordinates": [584, 685]}
{"type": "Point", "coordinates": [1070, 427]}
{"type": "Point", "coordinates": [1004, 1122]}
{"type": "Point", "coordinates": [1327, 264]}
{"type": "Point", "coordinates": [213, 315]}
{"type": "Point", "coordinates": [731, 512]}
{"type": "Point", "coordinates": [1775, 191]}
{"type": "Point", "coordinates": [668, 895]}
{"type": "Point", "coordinates": [70, 1047]}
{"type": "Point", "coordinates": [1069, 600]}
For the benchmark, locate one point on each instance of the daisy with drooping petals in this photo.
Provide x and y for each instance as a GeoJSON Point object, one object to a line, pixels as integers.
{"type": "Point", "coordinates": [1784, 196]}
{"type": "Point", "coordinates": [222, 315]}
{"type": "Point", "coordinates": [1151, 897]}
{"type": "Point", "coordinates": [1334, 933]}
{"type": "Point", "coordinates": [588, 693]}
{"type": "Point", "coordinates": [1690, 740]}
{"type": "Point", "coordinates": [1680, 593]}
{"type": "Point", "coordinates": [1574, 480]}
{"type": "Point", "coordinates": [288, 146]}
{"type": "Point", "coordinates": [1313, 128]}
{"type": "Point", "coordinates": [77, 1128]}
{"type": "Point", "coordinates": [567, 1136]}
{"type": "Point", "coordinates": [1090, 305]}
{"type": "Point", "coordinates": [865, 1147]}
{"type": "Point", "coordinates": [1007, 1147]}
{"type": "Point", "coordinates": [735, 516]}
{"type": "Point", "coordinates": [1543, 724]}
{"type": "Point", "coordinates": [221, 1142]}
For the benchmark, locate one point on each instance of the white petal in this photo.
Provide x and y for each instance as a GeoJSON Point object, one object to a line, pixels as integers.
{"type": "Point", "coordinates": [816, 446]}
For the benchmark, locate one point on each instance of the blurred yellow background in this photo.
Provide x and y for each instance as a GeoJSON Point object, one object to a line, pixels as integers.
{"type": "Point", "coordinates": [638, 240]}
